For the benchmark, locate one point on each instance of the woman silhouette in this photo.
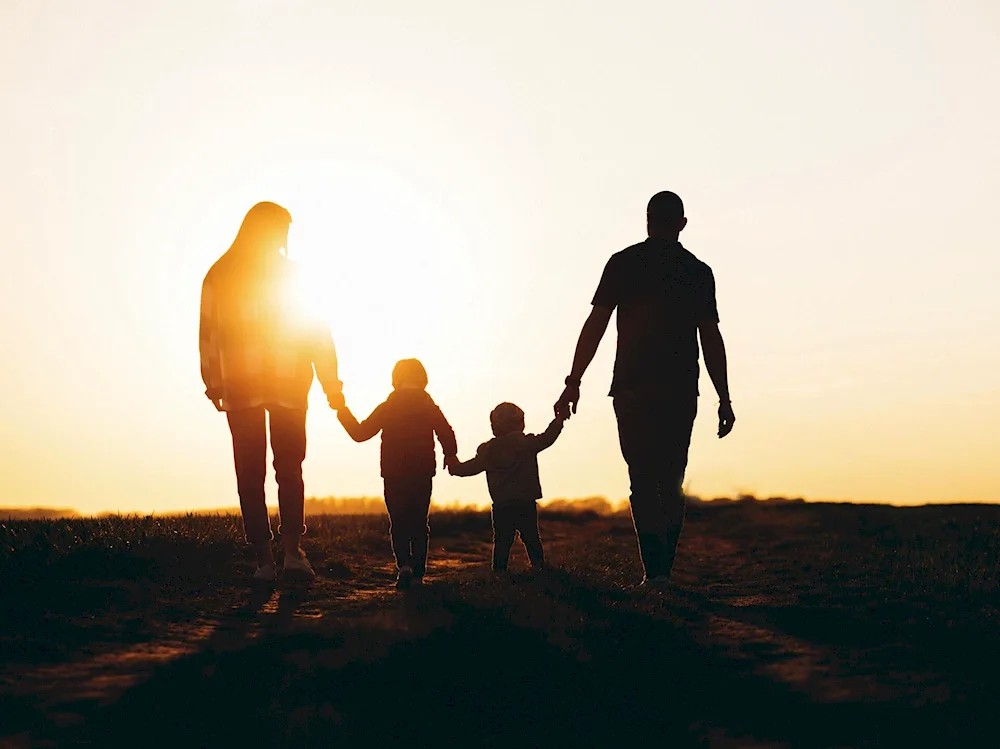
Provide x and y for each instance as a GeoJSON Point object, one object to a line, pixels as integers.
{"type": "Point", "coordinates": [258, 352]}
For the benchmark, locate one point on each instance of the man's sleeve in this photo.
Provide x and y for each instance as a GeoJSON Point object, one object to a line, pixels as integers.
{"type": "Point", "coordinates": [546, 439]}
{"type": "Point", "coordinates": [707, 310]}
{"type": "Point", "coordinates": [609, 290]}
{"type": "Point", "coordinates": [471, 467]}
{"type": "Point", "coordinates": [208, 343]}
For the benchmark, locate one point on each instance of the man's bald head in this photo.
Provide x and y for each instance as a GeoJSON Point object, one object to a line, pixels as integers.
{"type": "Point", "coordinates": [665, 215]}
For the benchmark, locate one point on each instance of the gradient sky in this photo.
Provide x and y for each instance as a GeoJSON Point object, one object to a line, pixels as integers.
{"type": "Point", "coordinates": [458, 174]}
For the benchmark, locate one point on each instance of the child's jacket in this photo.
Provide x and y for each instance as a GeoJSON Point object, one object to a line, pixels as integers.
{"type": "Point", "coordinates": [511, 464]}
{"type": "Point", "coordinates": [408, 420]}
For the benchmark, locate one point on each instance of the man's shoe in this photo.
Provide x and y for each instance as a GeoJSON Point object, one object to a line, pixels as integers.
{"type": "Point", "coordinates": [266, 573]}
{"type": "Point", "coordinates": [297, 567]}
{"type": "Point", "coordinates": [405, 577]}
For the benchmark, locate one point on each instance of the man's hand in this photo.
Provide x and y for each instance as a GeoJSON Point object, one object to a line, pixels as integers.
{"type": "Point", "coordinates": [567, 403]}
{"type": "Point", "coordinates": [450, 461]}
{"type": "Point", "coordinates": [336, 401]}
{"type": "Point", "coordinates": [726, 418]}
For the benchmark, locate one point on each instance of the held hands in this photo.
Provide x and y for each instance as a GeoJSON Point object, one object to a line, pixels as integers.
{"type": "Point", "coordinates": [336, 401]}
{"type": "Point", "coordinates": [567, 403]}
{"type": "Point", "coordinates": [726, 418]}
{"type": "Point", "coordinates": [450, 461]}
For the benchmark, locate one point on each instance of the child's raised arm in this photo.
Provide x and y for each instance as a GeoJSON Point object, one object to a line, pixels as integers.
{"type": "Point", "coordinates": [367, 428]}
{"type": "Point", "coordinates": [545, 440]}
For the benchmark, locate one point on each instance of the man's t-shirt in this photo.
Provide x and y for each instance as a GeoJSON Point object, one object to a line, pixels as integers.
{"type": "Point", "coordinates": [662, 293]}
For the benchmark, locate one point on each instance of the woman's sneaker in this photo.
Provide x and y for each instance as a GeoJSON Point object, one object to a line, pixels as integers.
{"type": "Point", "coordinates": [405, 577]}
{"type": "Point", "coordinates": [297, 567]}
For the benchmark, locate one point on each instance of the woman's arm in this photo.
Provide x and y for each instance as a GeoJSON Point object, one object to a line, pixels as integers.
{"type": "Point", "coordinates": [208, 346]}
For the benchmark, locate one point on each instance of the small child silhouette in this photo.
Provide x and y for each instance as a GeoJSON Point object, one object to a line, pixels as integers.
{"type": "Point", "coordinates": [408, 420]}
{"type": "Point", "coordinates": [510, 460]}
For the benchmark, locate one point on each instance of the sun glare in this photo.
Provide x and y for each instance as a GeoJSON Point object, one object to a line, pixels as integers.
{"type": "Point", "coordinates": [375, 259]}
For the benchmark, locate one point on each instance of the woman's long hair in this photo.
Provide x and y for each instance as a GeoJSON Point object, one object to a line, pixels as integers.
{"type": "Point", "coordinates": [262, 224]}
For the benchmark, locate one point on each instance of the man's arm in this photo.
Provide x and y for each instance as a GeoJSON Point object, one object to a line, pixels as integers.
{"type": "Point", "coordinates": [714, 349]}
{"type": "Point", "coordinates": [586, 347]}
{"type": "Point", "coordinates": [208, 347]}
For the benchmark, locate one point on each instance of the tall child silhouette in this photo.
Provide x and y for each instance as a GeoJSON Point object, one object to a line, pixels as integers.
{"type": "Point", "coordinates": [408, 420]}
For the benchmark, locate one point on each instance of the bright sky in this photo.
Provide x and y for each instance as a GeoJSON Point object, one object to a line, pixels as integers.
{"type": "Point", "coordinates": [458, 174]}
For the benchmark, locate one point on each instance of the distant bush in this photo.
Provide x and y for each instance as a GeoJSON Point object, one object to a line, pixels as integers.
{"type": "Point", "coordinates": [36, 513]}
{"type": "Point", "coordinates": [345, 506]}
{"type": "Point", "coordinates": [745, 499]}
{"type": "Point", "coordinates": [589, 505]}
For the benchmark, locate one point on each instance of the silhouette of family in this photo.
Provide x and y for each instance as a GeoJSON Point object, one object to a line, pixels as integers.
{"type": "Point", "coordinates": [260, 350]}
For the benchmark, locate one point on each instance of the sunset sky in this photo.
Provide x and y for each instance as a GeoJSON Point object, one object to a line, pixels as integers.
{"type": "Point", "coordinates": [458, 174]}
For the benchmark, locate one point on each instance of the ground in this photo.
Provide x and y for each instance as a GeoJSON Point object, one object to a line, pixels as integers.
{"type": "Point", "coordinates": [788, 625]}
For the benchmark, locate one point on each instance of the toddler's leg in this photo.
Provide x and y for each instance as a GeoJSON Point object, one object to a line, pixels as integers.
{"type": "Point", "coordinates": [530, 537]}
{"type": "Point", "coordinates": [503, 537]}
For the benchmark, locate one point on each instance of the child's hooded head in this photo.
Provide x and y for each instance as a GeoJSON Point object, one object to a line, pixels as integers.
{"type": "Point", "coordinates": [506, 419]}
{"type": "Point", "coordinates": [409, 374]}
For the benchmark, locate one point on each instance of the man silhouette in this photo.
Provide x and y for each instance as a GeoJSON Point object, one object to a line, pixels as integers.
{"type": "Point", "coordinates": [258, 349]}
{"type": "Point", "coordinates": [665, 298]}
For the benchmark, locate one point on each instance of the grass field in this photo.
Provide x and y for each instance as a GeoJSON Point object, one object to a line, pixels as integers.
{"type": "Point", "coordinates": [792, 625]}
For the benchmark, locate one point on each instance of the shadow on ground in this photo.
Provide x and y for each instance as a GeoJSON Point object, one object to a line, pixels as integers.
{"type": "Point", "coordinates": [745, 649]}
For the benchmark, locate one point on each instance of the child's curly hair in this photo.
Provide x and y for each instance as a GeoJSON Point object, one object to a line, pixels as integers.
{"type": "Point", "coordinates": [506, 419]}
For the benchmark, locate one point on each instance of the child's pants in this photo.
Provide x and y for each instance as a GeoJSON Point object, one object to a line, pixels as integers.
{"type": "Point", "coordinates": [520, 516]}
{"type": "Point", "coordinates": [408, 501]}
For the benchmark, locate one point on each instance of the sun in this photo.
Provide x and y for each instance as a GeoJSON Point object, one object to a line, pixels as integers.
{"type": "Point", "coordinates": [388, 272]}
